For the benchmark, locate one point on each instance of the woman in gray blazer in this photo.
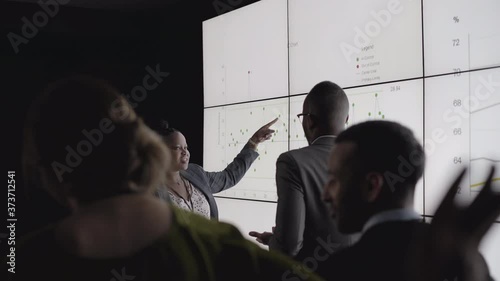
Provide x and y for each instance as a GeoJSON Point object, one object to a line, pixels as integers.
{"type": "Point", "coordinates": [189, 186]}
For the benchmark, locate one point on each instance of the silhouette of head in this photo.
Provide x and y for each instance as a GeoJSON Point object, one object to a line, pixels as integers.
{"type": "Point", "coordinates": [325, 111]}
{"type": "Point", "coordinates": [84, 142]}
{"type": "Point", "coordinates": [373, 167]}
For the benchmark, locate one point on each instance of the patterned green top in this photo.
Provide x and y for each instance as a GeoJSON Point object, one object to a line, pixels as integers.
{"type": "Point", "coordinates": [194, 249]}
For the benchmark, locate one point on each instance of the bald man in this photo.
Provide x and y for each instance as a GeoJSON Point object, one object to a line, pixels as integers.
{"type": "Point", "coordinates": [303, 228]}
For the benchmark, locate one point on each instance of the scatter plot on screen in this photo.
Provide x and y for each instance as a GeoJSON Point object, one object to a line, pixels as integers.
{"type": "Point", "coordinates": [228, 128]}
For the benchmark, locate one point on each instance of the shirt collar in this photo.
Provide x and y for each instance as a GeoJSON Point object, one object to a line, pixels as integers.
{"type": "Point", "coordinates": [324, 136]}
{"type": "Point", "coordinates": [391, 216]}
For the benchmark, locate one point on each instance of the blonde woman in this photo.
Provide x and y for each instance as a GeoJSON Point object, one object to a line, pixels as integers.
{"type": "Point", "coordinates": [86, 147]}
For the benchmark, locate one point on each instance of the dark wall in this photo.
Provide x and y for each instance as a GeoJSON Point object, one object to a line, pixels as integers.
{"type": "Point", "coordinates": [116, 46]}
{"type": "Point", "coordinates": [113, 44]}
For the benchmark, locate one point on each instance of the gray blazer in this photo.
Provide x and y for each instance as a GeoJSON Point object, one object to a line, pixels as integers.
{"type": "Point", "coordinates": [214, 182]}
{"type": "Point", "coordinates": [303, 222]}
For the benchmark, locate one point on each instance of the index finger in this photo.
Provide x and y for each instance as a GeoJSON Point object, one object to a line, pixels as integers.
{"type": "Point", "coordinates": [270, 123]}
{"type": "Point", "coordinates": [448, 200]}
{"type": "Point", "coordinates": [485, 209]}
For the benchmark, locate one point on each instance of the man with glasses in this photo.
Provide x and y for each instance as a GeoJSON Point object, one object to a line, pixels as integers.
{"type": "Point", "coordinates": [303, 228]}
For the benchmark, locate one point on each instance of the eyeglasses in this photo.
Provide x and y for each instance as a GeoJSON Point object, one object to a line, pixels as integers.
{"type": "Point", "coordinates": [300, 116]}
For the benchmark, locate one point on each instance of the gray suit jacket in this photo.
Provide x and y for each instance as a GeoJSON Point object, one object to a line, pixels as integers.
{"type": "Point", "coordinates": [214, 182]}
{"type": "Point", "coordinates": [303, 226]}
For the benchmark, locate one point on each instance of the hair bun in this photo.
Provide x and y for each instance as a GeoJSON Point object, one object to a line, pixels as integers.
{"type": "Point", "coordinates": [164, 129]}
{"type": "Point", "coordinates": [164, 124]}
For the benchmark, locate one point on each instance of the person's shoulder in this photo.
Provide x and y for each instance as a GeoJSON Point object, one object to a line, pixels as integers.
{"type": "Point", "coordinates": [304, 153]}
{"type": "Point", "coordinates": [194, 169]}
{"type": "Point", "coordinates": [223, 246]}
{"type": "Point", "coordinates": [293, 154]}
{"type": "Point", "coordinates": [339, 265]}
{"type": "Point", "coordinates": [396, 229]}
{"type": "Point", "coordinates": [205, 228]}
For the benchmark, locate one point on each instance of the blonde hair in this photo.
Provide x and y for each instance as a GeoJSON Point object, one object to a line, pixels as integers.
{"type": "Point", "coordinates": [84, 135]}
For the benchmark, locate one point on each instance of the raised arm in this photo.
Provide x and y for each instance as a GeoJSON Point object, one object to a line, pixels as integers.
{"type": "Point", "coordinates": [451, 246]}
{"type": "Point", "coordinates": [234, 172]}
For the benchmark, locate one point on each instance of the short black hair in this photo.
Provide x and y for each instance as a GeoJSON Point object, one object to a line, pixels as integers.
{"type": "Point", "coordinates": [390, 149]}
{"type": "Point", "coordinates": [329, 103]}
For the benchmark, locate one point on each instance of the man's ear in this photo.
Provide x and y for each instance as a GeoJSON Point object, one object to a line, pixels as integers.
{"type": "Point", "coordinates": [373, 187]}
{"type": "Point", "coordinates": [309, 126]}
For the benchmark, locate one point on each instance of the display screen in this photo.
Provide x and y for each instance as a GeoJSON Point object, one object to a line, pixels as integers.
{"type": "Point", "coordinates": [433, 66]}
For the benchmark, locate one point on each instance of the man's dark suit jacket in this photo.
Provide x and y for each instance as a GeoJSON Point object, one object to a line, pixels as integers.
{"type": "Point", "coordinates": [380, 254]}
{"type": "Point", "coordinates": [304, 228]}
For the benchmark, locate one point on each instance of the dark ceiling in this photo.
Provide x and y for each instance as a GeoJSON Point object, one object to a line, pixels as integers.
{"type": "Point", "coordinates": [114, 40]}
{"type": "Point", "coordinates": [110, 4]}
